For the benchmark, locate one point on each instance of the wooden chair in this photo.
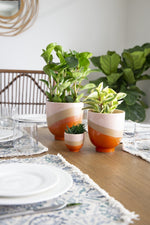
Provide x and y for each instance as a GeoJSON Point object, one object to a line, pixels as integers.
{"type": "Point", "coordinates": [24, 90]}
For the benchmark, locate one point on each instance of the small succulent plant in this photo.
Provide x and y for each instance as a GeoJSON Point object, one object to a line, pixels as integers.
{"type": "Point", "coordinates": [76, 129]}
{"type": "Point", "coordinates": [103, 100]}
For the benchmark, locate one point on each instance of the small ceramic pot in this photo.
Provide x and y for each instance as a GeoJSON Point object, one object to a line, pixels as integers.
{"type": "Point", "coordinates": [106, 129]}
{"type": "Point", "coordinates": [74, 142]}
{"type": "Point", "coordinates": [61, 115]}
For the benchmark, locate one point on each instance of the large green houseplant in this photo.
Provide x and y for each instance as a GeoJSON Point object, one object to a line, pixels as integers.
{"type": "Point", "coordinates": [122, 73]}
{"type": "Point", "coordinates": [105, 121]}
{"type": "Point", "coordinates": [65, 72]}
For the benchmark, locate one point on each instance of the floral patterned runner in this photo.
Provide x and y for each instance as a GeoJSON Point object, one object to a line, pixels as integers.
{"type": "Point", "coordinates": [97, 207]}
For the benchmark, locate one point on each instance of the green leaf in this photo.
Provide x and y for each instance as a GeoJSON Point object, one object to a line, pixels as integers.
{"type": "Point", "coordinates": [134, 112]}
{"type": "Point", "coordinates": [136, 91]}
{"type": "Point", "coordinates": [146, 45]}
{"type": "Point", "coordinates": [45, 81]}
{"type": "Point", "coordinates": [51, 46]}
{"type": "Point", "coordinates": [120, 95]}
{"type": "Point", "coordinates": [109, 63]}
{"type": "Point", "coordinates": [48, 96]}
{"type": "Point", "coordinates": [61, 58]}
{"type": "Point", "coordinates": [79, 97]}
{"type": "Point", "coordinates": [129, 76]}
{"type": "Point", "coordinates": [138, 59]}
{"type": "Point", "coordinates": [56, 99]}
{"type": "Point", "coordinates": [58, 48]}
{"type": "Point", "coordinates": [47, 69]}
{"type": "Point", "coordinates": [71, 61]}
{"type": "Point", "coordinates": [63, 86]}
{"type": "Point", "coordinates": [96, 61]}
{"type": "Point", "coordinates": [113, 77]}
{"type": "Point", "coordinates": [85, 55]}
{"type": "Point", "coordinates": [93, 95]}
{"type": "Point", "coordinates": [146, 52]}
{"type": "Point", "coordinates": [88, 86]}
{"type": "Point", "coordinates": [128, 59]}
{"type": "Point", "coordinates": [83, 62]}
{"type": "Point", "coordinates": [47, 53]}
{"type": "Point", "coordinates": [131, 97]}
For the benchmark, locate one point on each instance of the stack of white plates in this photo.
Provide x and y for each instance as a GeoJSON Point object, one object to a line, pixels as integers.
{"type": "Point", "coordinates": [25, 183]}
{"type": "Point", "coordinates": [31, 118]}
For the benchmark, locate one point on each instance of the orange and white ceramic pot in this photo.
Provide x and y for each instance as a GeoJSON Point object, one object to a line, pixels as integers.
{"type": "Point", "coordinates": [60, 115]}
{"type": "Point", "coordinates": [74, 142]}
{"type": "Point", "coordinates": [106, 129]}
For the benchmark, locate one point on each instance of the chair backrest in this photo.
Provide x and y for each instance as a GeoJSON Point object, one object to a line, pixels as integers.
{"type": "Point", "coordinates": [24, 90]}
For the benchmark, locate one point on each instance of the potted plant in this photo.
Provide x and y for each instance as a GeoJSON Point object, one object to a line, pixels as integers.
{"type": "Point", "coordinates": [66, 71]}
{"type": "Point", "coordinates": [122, 73]}
{"type": "Point", "coordinates": [74, 137]}
{"type": "Point", "coordinates": [105, 121]}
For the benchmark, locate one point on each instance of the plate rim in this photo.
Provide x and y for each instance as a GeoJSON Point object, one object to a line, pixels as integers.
{"type": "Point", "coordinates": [27, 168]}
{"type": "Point", "coordinates": [12, 138]}
{"type": "Point", "coordinates": [6, 137]}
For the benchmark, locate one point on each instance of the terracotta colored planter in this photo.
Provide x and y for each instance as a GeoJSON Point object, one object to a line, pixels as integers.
{"type": "Point", "coordinates": [59, 115]}
{"type": "Point", "coordinates": [74, 142]}
{"type": "Point", "coordinates": [106, 130]}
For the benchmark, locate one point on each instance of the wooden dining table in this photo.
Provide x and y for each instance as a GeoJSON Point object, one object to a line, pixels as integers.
{"type": "Point", "coordinates": [124, 176]}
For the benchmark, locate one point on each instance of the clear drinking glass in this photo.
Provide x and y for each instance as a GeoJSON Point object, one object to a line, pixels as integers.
{"type": "Point", "coordinates": [25, 138]}
{"type": "Point", "coordinates": [6, 127]}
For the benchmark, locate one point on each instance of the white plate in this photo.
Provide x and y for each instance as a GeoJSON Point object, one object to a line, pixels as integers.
{"type": "Point", "coordinates": [17, 179]}
{"type": "Point", "coordinates": [5, 133]}
{"type": "Point", "coordinates": [63, 185]}
{"type": "Point", "coordinates": [11, 137]}
{"type": "Point", "coordinates": [36, 118]}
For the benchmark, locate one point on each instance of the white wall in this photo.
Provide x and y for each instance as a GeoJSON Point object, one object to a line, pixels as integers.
{"type": "Point", "coordinates": [138, 32]}
{"type": "Point", "coordinates": [83, 25]}
{"type": "Point", "coordinates": [138, 19]}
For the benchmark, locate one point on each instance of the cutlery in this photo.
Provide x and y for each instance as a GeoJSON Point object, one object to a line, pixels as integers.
{"type": "Point", "coordinates": [6, 145]}
{"type": "Point", "coordinates": [40, 210]}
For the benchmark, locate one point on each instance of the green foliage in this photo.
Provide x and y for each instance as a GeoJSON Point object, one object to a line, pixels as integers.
{"type": "Point", "coordinates": [76, 129]}
{"type": "Point", "coordinates": [103, 100]}
{"type": "Point", "coordinates": [122, 72]}
{"type": "Point", "coordinates": [68, 73]}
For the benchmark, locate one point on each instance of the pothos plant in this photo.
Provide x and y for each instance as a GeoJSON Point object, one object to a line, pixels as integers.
{"type": "Point", "coordinates": [122, 73]}
{"type": "Point", "coordinates": [66, 71]}
{"type": "Point", "coordinates": [103, 100]}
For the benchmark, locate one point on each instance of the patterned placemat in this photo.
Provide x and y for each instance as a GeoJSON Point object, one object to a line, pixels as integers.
{"type": "Point", "coordinates": [97, 207]}
{"type": "Point", "coordinates": [130, 147]}
{"type": "Point", "coordinates": [136, 139]}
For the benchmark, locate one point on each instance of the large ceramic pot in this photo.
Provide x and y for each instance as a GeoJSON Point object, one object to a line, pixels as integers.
{"type": "Point", "coordinates": [106, 129]}
{"type": "Point", "coordinates": [61, 115]}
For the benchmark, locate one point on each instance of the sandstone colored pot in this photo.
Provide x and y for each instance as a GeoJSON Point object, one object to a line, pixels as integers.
{"type": "Point", "coordinates": [106, 129]}
{"type": "Point", "coordinates": [74, 142]}
{"type": "Point", "coordinates": [60, 115]}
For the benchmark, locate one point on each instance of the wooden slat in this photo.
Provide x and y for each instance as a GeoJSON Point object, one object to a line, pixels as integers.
{"type": "Point", "coordinates": [22, 88]}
